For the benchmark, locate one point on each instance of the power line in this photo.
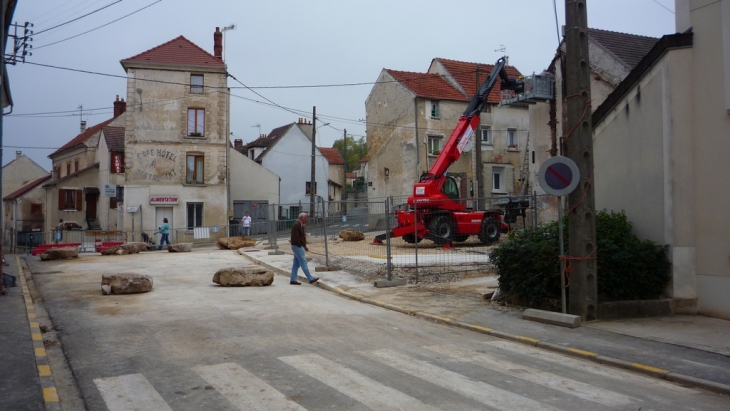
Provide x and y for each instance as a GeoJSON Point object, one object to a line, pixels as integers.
{"type": "Point", "coordinates": [77, 18]}
{"type": "Point", "coordinates": [96, 28]}
{"type": "Point", "coordinates": [665, 7]}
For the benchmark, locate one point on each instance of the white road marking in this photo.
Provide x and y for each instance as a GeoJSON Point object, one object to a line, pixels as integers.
{"type": "Point", "coordinates": [593, 368]}
{"type": "Point", "coordinates": [476, 390]}
{"type": "Point", "coordinates": [533, 375]}
{"type": "Point", "coordinates": [245, 390]}
{"type": "Point", "coordinates": [130, 392]}
{"type": "Point", "coordinates": [353, 384]}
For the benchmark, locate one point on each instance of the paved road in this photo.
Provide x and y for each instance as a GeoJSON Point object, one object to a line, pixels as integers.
{"type": "Point", "coordinates": [191, 345]}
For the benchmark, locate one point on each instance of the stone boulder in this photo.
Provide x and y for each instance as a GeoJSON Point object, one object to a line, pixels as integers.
{"type": "Point", "coordinates": [60, 253]}
{"type": "Point", "coordinates": [243, 276]}
{"type": "Point", "coordinates": [180, 247]}
{"type": "Point", "coordinates": [125, 284]}
{"type": "Point", "coordinates": [351, 235]}
{"type": "Point", "coordinates": [124, 249]}
{"type": "Point", "coordinates": [234, 243]}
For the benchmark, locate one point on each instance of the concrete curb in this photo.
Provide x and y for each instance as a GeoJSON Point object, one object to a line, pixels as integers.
{"type": "Point", "coordinates": [534, 342]}
{"type": "Point", "coordinates": [48, 385]}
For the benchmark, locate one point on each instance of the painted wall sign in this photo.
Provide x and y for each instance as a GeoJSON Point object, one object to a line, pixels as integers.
{"type": "Point", "coordinates": [155, 164]}
{"type": "Point", "coordinates": [163, 199]}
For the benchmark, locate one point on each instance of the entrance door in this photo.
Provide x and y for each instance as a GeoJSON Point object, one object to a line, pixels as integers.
{"type": "Point", "coordinates": [91, 200]}
{"type": "Point", "coordinates": [160, 214]}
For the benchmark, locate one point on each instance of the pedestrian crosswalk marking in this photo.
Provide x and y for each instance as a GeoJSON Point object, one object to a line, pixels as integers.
{"type": "Point", "coordinates": [579, 389]}
{"type": "Point", "coordinates": [353, 384]}
{"type": "Point", "coordinates": [245, 390]}
{"type": "Point", "coordinates": [485, 393]}
{"type": "Point", "coordinates": [130, 392]}
{"type": "Point", "coordinates": [586, 366]}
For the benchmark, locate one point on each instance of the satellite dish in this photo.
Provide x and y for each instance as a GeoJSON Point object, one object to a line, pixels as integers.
{"type": "Point", "coordinates": [468, 146]}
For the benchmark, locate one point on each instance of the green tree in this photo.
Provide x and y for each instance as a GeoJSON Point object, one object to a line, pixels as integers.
{"type": "Point", "coordinates": [356, 150]}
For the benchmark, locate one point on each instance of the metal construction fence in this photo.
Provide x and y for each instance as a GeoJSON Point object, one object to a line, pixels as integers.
{"type": "Point", "coordinates": [458, 243]}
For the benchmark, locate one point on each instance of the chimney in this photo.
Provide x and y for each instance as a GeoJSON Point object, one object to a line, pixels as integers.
{"type": "Point", "coordinates": [120, 106]}
{"type": "Point", "coordinates": [218, 44]}
{"type": "Point", "coordinates": [237, 143]}
{"type": "Point", "coordinates": [18, 154]}
{"type": "Point", "coordinates": [83, 125]}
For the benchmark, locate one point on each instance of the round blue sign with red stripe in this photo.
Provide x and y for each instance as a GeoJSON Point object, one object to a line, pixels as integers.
{"type": "Point", "coordinates": [559, 176]}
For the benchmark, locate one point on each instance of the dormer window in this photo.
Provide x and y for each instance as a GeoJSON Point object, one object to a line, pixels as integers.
{"type": "Point", "coordinates": [196, 83]}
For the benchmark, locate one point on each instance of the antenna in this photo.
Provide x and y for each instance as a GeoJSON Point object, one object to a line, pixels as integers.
{"type": "Point", "coordinates": [503, 50]}
{"type": "Point", "coordinates": [225, 29]}
{"type": "Point", "coordinates": [259, 127]}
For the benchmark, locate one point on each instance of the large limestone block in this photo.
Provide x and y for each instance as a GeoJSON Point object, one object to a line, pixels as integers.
{"type": "Point", "coordinates": [60, 253]}
{"type": "Point", "coordinates": [180, 247]}
{"type": "Point", "coordinates": [127, 283]}
{"type": "Point", "coordinates": [243, 276]}
{"type": "Point", "coordinates": [234, 243]}
{"type": "Point", "coordinates": [124, 249]}
{"type": "Point", "coordinates": [351, 235]}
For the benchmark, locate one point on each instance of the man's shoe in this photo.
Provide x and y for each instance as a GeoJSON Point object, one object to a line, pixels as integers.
{"type": "Point", "coordinates": [314, 280]}
{"type": "Point", "coordinates": [295, 283]}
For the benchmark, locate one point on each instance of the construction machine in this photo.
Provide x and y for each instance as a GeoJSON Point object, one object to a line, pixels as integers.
{"type": "Point", "coordinates": [435, 210]}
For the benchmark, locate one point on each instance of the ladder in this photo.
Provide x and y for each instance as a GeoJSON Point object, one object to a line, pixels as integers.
{"type": "Point", "coordinates": [525, 170]}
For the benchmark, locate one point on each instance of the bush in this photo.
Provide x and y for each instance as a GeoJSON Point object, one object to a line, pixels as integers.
{"type": "Point", "coordinates": [628, 268]}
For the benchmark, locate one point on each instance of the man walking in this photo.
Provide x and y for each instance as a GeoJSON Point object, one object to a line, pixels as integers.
{"type": "Point", "coordinates": [246, 225]}
{"type": "Point", "coordinates": [299, 246]}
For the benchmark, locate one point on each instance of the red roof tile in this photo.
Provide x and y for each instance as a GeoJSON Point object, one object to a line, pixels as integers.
{"type": "Point", "coordinates": [22, 190]}
{"type": "Point", "coordinates": [114, 137]}
{"type": "Point", "coordinates": [351, 175]}
{"type": "Point", "coordinates": [427, 85]}
{"type": "Point", "coordinates": [82, 137]}
{"type": "Point", "coordinates": [178, 51]}
{"type": "Point", "coordinates": [333, 156]}
{"type": "Point", "coordinates": [466, 75]}
{"type": "Point", "coordinates": [365, 159]}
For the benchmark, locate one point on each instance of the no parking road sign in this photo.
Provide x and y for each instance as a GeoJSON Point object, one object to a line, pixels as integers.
{"type": "Point", "coordinates": [559, 176]}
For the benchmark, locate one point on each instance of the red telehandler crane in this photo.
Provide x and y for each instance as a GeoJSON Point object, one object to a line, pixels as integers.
{"type": "Point", "coordinates": [435, 210]}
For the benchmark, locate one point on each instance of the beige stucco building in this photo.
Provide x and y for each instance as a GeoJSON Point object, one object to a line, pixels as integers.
{"type": "Point", "coordinates": [660, 141]}
{"type": "Point", "coordinates": [410, 116]}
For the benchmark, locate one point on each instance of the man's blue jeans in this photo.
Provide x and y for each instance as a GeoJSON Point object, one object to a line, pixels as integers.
{"type": "Point", "coordinates": [246, 231]}
{"type": "Point", "coordinates": [299, 261]}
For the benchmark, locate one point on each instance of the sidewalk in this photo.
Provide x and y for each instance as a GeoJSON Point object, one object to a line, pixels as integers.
{"type": "Point", "coordinates": [20, 384]}
{"type": "Point", "coordinates": [690, 350]}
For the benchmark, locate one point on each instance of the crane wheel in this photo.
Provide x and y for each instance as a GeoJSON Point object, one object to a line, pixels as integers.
{"type": "Point", "coordinates": [441, 229]}
{"type": "Point", "coordinates": [490, 230]}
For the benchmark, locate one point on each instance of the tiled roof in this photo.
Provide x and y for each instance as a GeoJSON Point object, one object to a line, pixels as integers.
{"type": "Point", "coordinates": [178, 51]}
{"type": "Point", "coordinates": [466, 75]}
{"type": "Point", "coordinates": [333, 156]}
{"type": "Point", "coordinates": [267, 141]}
{"type": "Point", "coordinates": [365, 159]}
{"type": "Point", "coordinates": [629, 48]}
{"type": "Point", "coordinates": [82, 137]}
{"type": "Point", "coordinates": [350, 175]}
{"type": "Point", "coordinates": [427, 85]}
{"type": "Point", "coordinates": [114, 137]}
{"type": "Point", "coordinates": [22, 190]}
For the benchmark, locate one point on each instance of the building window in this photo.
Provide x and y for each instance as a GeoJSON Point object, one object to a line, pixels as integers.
{"type": "Point", "coordinates": [36, 209]}
{"type": "Point", "coordinates": [196, 122]}
{"type": "Point", "coordinates": [435, 109]}
{"type": "Point", "coordinates": [69, 199]}
{"type": "Point", "coordinates": [196, 83]}
{"type": "Point", "coordinates": [195, 215]}
{"type": "Point", "coordinates": [486, 135]}
{"type": "Point", "coordinates": [117, 162]}
{"type": "Point", "coordinates": [76, 165]}
{"type": "Point", "coordinates": [308, 188]}
{"type": "Point", "coordinates": [434, 144]}
{"type": "Point", "coordinates": [68, 168]}
{"type": "Point", "coordinates": [511, 138]}
{"type": "Point", "coordinates": [195, 165]}
{"type": "Point", "coordinates": [498, 184]}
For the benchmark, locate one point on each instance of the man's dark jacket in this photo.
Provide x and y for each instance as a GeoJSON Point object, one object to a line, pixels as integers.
{"type": "Point", "coordinates": [298, 237]}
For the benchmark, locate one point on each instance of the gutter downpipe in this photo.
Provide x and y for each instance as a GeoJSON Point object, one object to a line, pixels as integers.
{"type": "Point", "coordinates": [418, 152]}
{"type": "Point", "coordinates": [229, 206]}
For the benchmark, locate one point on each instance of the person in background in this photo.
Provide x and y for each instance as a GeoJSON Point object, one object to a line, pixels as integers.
{"type": "Point", "coordinates": [165, 231]}
{"type": "Point", "coordinates": [246, 225]}
{"type": "Point", "coordinates": [299, 246]}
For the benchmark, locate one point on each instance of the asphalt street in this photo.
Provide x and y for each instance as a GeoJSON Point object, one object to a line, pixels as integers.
{"type": "Point", "coordinates": [190, 344]}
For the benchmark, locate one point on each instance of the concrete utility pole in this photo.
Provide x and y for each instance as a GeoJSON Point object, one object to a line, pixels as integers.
{"type": "Point", "coordinates": [579, 148]}
{"type": "Point", "coordinates": [478, 159]}
{"type": "Point", "coordinates": [344, 183]}
{"type": "Point", "coordinates": [312, 183]}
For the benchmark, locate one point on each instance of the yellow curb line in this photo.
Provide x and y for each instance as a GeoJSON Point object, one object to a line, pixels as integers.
{"type": "Point", "coordinates": [50, 395]}
{"type": "Point", "coordinates": [583, 353]}
{"type": "Point", "coordinates": [650, 368]}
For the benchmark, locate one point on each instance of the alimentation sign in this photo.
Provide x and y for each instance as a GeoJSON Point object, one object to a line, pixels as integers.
{"type": "Point", "coordinates": [163, 200]}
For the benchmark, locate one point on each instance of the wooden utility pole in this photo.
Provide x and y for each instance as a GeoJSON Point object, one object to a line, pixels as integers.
{"type": "Point", "coordinates": [479, 170]}
{"type": "Point", "coordinates": [344, 183]}
{"type": "Point", "coordinates": [579, 148]}
{"type": "Point", "coordinates": [312, 181]}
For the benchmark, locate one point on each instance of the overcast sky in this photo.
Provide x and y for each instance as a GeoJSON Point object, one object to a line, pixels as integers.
{"type": "Point", "coordinates": [287, 44]}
